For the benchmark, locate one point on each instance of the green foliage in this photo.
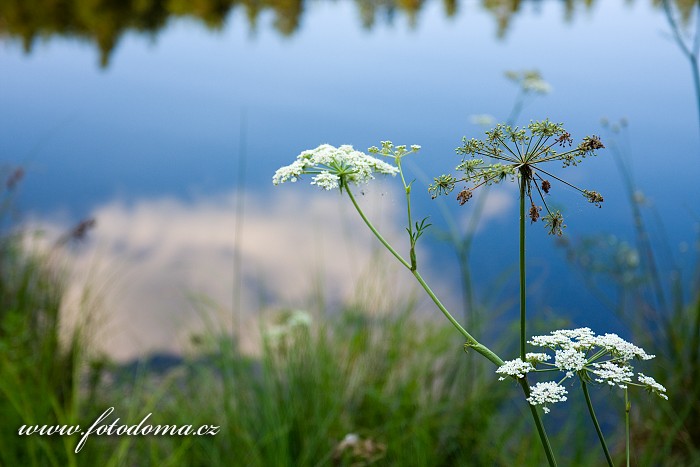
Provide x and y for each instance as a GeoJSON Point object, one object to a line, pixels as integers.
{"type": "Point", "coordinates": [401, 385]}
{"type": "Point", "coordinates": [37, 370]}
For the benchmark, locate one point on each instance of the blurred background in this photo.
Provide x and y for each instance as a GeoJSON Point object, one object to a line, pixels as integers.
{"type": "Point", "coordinates": [139, 139]}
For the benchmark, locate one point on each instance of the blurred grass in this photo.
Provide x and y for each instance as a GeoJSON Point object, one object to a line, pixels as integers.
{"type": "Point", "coordinates": [37, 372]}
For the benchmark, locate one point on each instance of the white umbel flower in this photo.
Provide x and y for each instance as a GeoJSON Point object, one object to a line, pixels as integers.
{"type": "Point", "coordinates": [537, 357]}
{"type": "Point", "coordinates": [516, 368]}
{"type": "Point", "coordinates": [652, 386]}
{"type": "Point", "coordinates": [569, 360]}
{"type": "Point", "coordinates": [612, 373]}
{"type": "Point", "coordinates": [326, 180]}
{"type": "Point", "coordinates": [579, 339]}
{"type": "Point", "coordinates": [580, 352]}
{"type": "Point", "coordinates": [546, 393]}
{"type": "Point", "coordinates": [621, 348]}
{"type": "Point", "coordinates": [331, 165]}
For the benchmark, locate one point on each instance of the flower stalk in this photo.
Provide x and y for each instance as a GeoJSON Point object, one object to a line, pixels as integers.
{"type": "Point", "coordinates": [628, 406]}
{"type": "Point", "coordinates": [523, 284]}
{"type": "Point", "coordinates": [598, 431]}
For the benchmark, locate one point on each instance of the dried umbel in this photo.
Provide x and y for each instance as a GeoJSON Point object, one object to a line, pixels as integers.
{"type": "Point", "coordinates": [519, 155]}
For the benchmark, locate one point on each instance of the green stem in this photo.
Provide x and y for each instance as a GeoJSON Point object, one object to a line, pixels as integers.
{"type": "Point", "coordinates": [471, 341]}
{"type": "Point", "coordinates": [627, 427]}
{"type": "Point", "coordinates": [523, 295]}
{"type": "Point", "coordinates": [539, 424]}
{"type": "Point", "coordinates": [595, 423]}
{"type": "Point", "coordinates": [375, 231]}
{"type": "Point", "coordinates": [411, 234]}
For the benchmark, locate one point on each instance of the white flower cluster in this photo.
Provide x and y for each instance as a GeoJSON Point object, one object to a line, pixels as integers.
{"type": "Point", "coordinates": [516, 368]}
{"type": "Point", "coordinates": [581, 338]}
{"type": "Point", "coordinates": [604, 359]}
{"type": "Point", "coordinates": [537, 357]}
{"type": "Point", "coordinates": [546, 393]}
{"type": "Point", "coordinates": [619, 347]}
{"type": "Point", "coordinates": [612, 373]}
{"type": "Point", "coordinates": [569, 360]}
{"type": "Point", "coordinates": [281, 334]}
{"type": "Point", "coordinates": [652, 386]}
{"type": "Point", "coordinates": [329, 164]}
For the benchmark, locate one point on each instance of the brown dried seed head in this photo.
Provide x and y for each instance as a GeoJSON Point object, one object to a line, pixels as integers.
{"type": "Point", "coordinates": [593, 197]}
{"type": "Point", "coordinates": [464, 196]}
{"type": "Point", "coordinates": [565, 138]}
{"type": "Point", "coordinates": [591, 143]}
{"type": "Point", "coordinates": [534, 213]}
{"type": "Point", "coordinates": [546, 186]}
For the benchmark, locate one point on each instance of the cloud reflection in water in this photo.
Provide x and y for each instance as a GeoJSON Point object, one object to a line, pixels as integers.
{"type": "Point", "coordinates": [151, 259]}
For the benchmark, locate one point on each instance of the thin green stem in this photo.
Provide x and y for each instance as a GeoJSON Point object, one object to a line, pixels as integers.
{"type": "Point", "coordinates": [375, 231]}
{"type": "Point", "coordinates": [523, 295]}
{"type": "Point", "coordinates": [596, 424]}
{"type": "Point", "coordinates": [559, 179]}
{"type": "Point", "coordinates": [411, 234]}
{"type": "Point", "coordinates": [471, 341]}
{"type": "Point", "coordinates": [539, 424]}
{"type": "Point", "coordinates": [627, 427]}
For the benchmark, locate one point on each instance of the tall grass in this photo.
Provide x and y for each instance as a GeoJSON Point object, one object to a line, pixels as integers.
{"type": "Point", "coordinates": [37, 370]}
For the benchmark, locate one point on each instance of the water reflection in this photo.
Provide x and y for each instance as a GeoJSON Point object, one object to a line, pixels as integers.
{"type": "Point", "coordinates": [163, 267]}
{"type": "Point", "coordinates": [104, 22]}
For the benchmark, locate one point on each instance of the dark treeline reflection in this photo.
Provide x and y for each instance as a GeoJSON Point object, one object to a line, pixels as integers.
{"type": "Point", "coordinates": [105, 21]}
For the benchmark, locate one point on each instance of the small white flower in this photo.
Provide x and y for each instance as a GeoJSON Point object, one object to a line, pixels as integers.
{"type": "Point", "coordinates": [537, 357]}
{"type": "Point", "coordinates": [569, 360]}
{"type": "Point", "coordinates": [579, 339]}
{"type": "Point", "coordinates": [299, 318]}
{"type": "Point", "coordinates": [653, 386]}
{"type": "Point", "coordinates": [619, 347]}
{"type": "Point", "coordinates": [326, 180]}
{"type": "Point", "coordinates": [613, 373]}
{"type": "Point", "coordinates": [516, 368]}
{"type": "Point", "coordinates": [546, 393]}
{"type": "Point", "coordinates": [288, 173]}
{"type": "Point", "coordinates": [350, 440]}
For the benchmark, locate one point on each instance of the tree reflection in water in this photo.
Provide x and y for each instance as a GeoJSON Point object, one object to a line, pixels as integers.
{"type": "Point", "coordinates": [104, 22]}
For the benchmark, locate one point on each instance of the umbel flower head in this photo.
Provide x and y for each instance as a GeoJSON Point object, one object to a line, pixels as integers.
{"type": "Point", "coordinates": [579, 352]}
{"type": "Point", "coordinates": [333, 167]}
{"type": "Point", "coordinates": [520, 154]}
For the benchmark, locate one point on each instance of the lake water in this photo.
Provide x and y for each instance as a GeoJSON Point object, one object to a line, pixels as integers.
{"type": "Point", "coordinates": [168, 134]}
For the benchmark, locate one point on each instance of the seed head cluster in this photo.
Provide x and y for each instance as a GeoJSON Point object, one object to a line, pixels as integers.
{"type": "Point", "coordinates": [519, 154]}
